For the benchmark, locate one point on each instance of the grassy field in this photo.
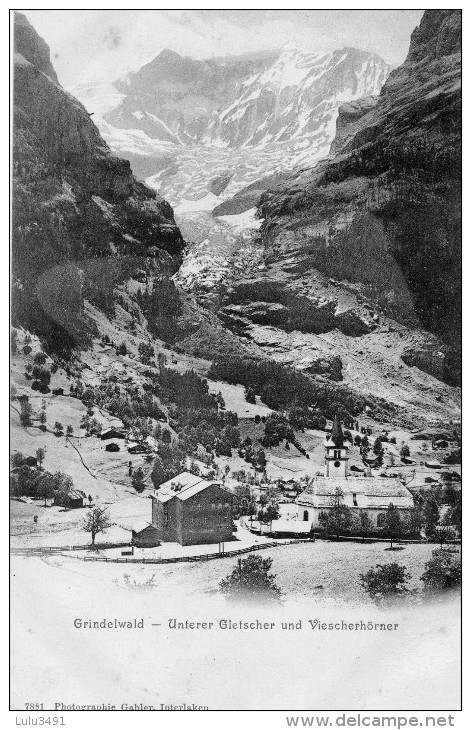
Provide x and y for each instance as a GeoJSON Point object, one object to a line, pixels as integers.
{"type": "Point", "coordinates": [326, 573]}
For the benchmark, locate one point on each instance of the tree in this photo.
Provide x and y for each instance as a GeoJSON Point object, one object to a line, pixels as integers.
{"type": "Point", "coordinates": [69, 431]}
{"type": "Point", "coordinates": [392, 523]}
{"type": "Point", "coordinates": [453, 516]}
{"type": "Point", "coordinates": [42, 418]}
{"type": "Point", "coordinates": [404, 451]}
{"type": "Point", "coordinates": [96, 521]}
{"type": "Point", "coordinates": [158, 473]}
{"type": "Point", "coordinates": [46, 486]}
{"type": "Point", "coordinates": [365, 525]}
{"type": "Point", "coordinates": [251, 582]}
{"type": "Point", "coordinates": [415, 520]}
{"type": "Point", "coordinates": [378, 450]}
{"type": "Point", "coordinates": [442, 572]}
{"type": "Point", "coordinates": [146, 352]}
{"type": "Point", "coordinates": [260, 460]}
{"type": "Point", "coordinates": [339, 517]}
{"type": "Point", "coordinates": [385, 583]}
{"type": "Point", "coordinates": [138, 479]}
{"type": "Point", "coordinates": [40, 456]}
{"type": "Point", "coordinates": [250, 395]}
{"type": "Point", "coordinates": [26, 413]}
{"type": "Point", "coordinates": [272, 512]}
{"type": "Point", "coordinates": [58, 428]}
{"type": "Point", "coordinates": [431, 515]}
{"type": "Point", "coordinates": [14, 342]}
{"type": "Point", "coordinates": [166, 436]}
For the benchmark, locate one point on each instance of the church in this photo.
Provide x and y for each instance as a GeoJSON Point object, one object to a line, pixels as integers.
{"type": "Point", "coordinates": [365, 493]}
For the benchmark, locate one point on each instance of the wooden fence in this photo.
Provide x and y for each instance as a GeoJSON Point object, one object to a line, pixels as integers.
{"type": "Point", "coordinates": [152, 561]}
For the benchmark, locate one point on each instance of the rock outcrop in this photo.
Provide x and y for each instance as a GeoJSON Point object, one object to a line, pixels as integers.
{"type": "Point", "coordinates": [74, 201]}
{"type": "Point", "coordinates": [381, 215]}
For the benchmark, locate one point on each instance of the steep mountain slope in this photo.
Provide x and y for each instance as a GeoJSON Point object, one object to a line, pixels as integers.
{"type": "Point", "coordinates": [87, 236]}
{"type": "Point", "coordinates": [376, 227]}
{"type": "Point", "coordinates": [74, 203]}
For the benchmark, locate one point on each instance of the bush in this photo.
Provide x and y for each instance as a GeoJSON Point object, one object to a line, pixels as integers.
{"type": "Point", "coordinates": [251, 581]}
{"type": "Point", "coordinates": [27, 349]}
{"type": "Point", "coordinates": [442, 572]}
{"type": "Point", "coordinates": [385, 583]}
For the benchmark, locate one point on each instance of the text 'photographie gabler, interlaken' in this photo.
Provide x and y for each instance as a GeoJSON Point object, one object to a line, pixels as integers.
{"type": "Point", "coordinates": [235, 360]}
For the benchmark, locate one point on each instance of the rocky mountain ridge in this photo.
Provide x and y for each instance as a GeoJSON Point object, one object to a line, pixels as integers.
{"type": "Point", "coordinates": [237, 117]}
{"type": "Point", "coordinates": [378, 222]}
{"type": "Point", "coordinates": [244, 101]}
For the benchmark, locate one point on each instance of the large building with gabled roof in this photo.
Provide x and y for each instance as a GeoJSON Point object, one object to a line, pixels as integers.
{"type": "Point", "coordinates": [360, 493]}
{"type": "Point", "coordinates": [191, 510]}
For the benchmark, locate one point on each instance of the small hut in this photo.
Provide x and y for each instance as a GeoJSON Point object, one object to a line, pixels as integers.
{"type": "Point", "coordinates": [145, 535]}
{"type": "Point", "coordinates": [112, 433]}
{"type": "Point", "coordinates": [72, 499]}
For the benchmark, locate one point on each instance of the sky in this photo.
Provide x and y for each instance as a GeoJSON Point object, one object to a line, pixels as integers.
{"type": "Point", "coordinates": [102, 45]}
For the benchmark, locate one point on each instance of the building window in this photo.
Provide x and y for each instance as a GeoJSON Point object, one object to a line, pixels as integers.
{"type": "Point", "coordinates": [380, 519]}
{"type": "Point", "coordinates": [166, 517]}
{"type": "Point", "coordinates": [355, 499]}
{"type": "Point", "coordinates": [220, 506]}
{"type": "Point", "coordinates": [336, 454]}
{"type": "Point", "coordinates": [336, 464]}
{"type": "Point", "coordinates": [306, 516]}
{"type": "Point", "coordinates": [213, 506]}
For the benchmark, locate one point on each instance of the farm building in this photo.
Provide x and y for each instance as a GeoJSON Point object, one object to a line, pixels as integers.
{"type": "Point", "coordinates": [112, 433]}
{"type": "Point", "coordinates": [369, 494]}
{"type": "Point", "coordinates": [192, 511]}
{"type": "Point", "coordinates": [72, 499]}
{"type": "Point", "coordinates": [145, 535]}
{"type": "Point", "coordinates": [138, 448]}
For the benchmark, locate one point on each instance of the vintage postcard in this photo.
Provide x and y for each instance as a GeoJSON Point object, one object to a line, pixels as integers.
{"type": "Point", "coordinates": [235, 397]}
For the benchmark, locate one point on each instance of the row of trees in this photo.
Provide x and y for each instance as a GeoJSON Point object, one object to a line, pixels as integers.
{"type": "Point", "coordinates": [340, 519]}
{"type": "Point", "coordinates": [282, 388]}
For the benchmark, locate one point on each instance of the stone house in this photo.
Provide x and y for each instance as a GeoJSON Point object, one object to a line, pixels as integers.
{"type": "Point", "coordinates": [191, 511]}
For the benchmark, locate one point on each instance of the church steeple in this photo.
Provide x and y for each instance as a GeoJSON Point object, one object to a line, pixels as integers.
{"type": "Point", "coordinates": [336, 459]}
{"type": "Point", "coordinates": [336, 434]}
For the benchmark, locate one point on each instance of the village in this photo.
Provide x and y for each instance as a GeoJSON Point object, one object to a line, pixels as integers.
{"type": "Point", "coordinates": [365, 484]}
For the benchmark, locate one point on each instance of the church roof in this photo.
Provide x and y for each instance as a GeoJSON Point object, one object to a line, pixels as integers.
{"type": "Point", "coordinates": [370, 492]}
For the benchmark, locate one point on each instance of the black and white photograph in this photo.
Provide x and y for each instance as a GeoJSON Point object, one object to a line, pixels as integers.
{"type": "Point", "coordinates": [235, 362]}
